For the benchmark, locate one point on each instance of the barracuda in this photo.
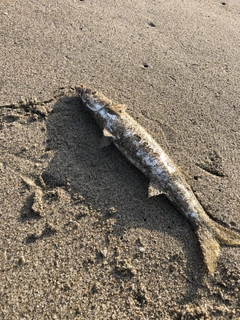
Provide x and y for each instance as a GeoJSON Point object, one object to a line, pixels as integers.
{"type": "Point", "coordinates": [144, 152]}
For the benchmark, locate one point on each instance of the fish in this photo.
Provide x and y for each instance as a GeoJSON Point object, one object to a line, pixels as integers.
{"type": "Point", "coordinates": [140, 148]}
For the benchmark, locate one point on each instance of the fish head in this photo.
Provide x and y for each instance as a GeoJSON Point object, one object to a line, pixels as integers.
{"type": "Point", "coordinates": [93, 100]}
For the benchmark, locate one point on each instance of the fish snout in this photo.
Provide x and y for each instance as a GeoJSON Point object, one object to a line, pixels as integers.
{"type": "Point", "coordinates": [84, 90]}
{"type": "Point", "coordinates": [80, 89]}
{"type": "Point", "coordinates": [88, 97]}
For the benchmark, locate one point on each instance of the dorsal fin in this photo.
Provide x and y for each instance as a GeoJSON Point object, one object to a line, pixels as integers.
{"type": "Point", "coordinates": [120, 108]}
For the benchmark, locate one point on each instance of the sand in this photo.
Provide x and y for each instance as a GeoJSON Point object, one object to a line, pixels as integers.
{"type": "Point", "coordinates": [79, 238]}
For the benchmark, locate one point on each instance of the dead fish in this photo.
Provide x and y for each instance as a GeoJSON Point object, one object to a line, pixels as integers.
{"type": "Point", "coordinates": [144, 152]}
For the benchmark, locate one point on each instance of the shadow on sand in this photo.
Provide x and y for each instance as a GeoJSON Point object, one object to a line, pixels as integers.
{"type": "Point", "coordinates": [105, 179]}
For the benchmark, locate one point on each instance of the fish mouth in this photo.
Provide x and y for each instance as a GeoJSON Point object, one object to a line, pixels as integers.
{"type": "Point", "coordinates": [83, 90]}
{"type": "Point", "coordinates": [79, 88]}
{"type": "Point", "coordinates": [88, 97]}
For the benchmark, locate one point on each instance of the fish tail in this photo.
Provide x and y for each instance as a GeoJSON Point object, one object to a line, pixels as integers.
{"type": "Point", "coordinates": [210, 237]}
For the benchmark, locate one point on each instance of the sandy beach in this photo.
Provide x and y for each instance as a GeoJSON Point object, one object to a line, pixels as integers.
{"type": "Point", "coordinates": [79, 238]}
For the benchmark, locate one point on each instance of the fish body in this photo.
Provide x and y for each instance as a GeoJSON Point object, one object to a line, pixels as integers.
{"type": "Point", "coordinates": [138, 146]}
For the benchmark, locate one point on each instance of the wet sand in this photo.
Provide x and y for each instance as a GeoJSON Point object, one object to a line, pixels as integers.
{"type": "Point", "coordinates": [79, 238]}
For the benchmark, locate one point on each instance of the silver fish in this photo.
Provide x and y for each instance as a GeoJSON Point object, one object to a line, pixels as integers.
{"type": "Point", "coordinates": [144, 152]}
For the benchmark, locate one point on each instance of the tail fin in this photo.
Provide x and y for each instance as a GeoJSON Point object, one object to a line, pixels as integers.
{"type": "Point", "coordinates": [210, 238]}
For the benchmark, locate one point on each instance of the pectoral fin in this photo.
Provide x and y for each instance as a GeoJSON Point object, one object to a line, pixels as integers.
{"type": "Point", "coordinates": [107, 138]}
{"type": "Point", "coordinates": [155, 189]}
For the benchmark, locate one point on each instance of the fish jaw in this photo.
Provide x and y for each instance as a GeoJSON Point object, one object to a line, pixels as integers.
{"type": "Point", "coordinates": [92, 99]}
{"type": "Point", "coordinates": [88, 98]}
